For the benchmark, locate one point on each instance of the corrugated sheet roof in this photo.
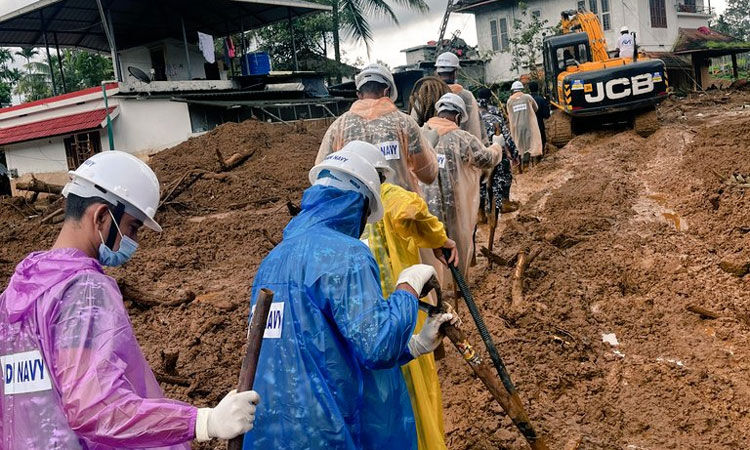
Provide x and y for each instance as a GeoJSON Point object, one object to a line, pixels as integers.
{"type": "Point", "coordinates": [76, 23]}
{"type": "Point", "coordinates": [54, 127]}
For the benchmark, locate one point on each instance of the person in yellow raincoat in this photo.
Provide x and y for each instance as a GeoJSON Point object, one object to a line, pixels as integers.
{"type": "Point", "coordinates": [446, 67]}
{"type": "Point", "coordinates": [395, 240]}
{"type": "Point", "coordinates": [454, 196]}
{"type": "Point", "coordinates": [374, 118]}
{"type": "Point", "coordinates": [523, 124]}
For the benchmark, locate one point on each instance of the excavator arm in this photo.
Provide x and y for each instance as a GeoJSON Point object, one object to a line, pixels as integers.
{"type": "Point", "coordinates": [588, 22]}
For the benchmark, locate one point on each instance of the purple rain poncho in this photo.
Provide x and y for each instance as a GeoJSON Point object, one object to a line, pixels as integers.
{"type": "Point", "coordinates": [73, 375]}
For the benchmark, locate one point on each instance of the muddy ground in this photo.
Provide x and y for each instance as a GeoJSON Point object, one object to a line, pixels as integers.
{"type": "Point", "coordinates": [630, 232]}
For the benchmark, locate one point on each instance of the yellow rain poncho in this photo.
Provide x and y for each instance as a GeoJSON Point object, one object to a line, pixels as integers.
{"type": "Point", "coordinates": [454, 196]}
{"type": "Point", "coordinates": [395, 241]}
{"type": "Point", "coordinates": [473, 123]}
{"type": "Point", "coordinates": [523, 124]}
{"type": "Point", "coordinates": [396, 134]}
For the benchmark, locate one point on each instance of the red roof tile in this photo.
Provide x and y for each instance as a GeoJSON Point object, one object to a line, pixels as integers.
{"type": "Point", "coordinates": [58, 98]}
{"type": "Point", "coordinates": [54, 127]}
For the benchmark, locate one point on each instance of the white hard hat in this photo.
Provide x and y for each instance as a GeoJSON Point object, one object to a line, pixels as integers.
{"type": "Point", "coordinates": [447, 62]}
{"type": "Point", "coordinates": [516, 86]}
{"type": "Point", "coordinates": [378, 73]}
{"type": "Point", "coordinates": [452, 102]}
{"type": "Point", "coordinates": [624, 29]}
{"type": "Point", "coordinates": [372, 154]}
{"type": "Point", "coordinates": [118, 177]}
{"type": "Point", "coordinates": [348, 171]}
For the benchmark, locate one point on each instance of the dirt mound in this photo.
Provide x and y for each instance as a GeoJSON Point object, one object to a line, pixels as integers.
{"type": "Point", "coordinates": [632, 231]}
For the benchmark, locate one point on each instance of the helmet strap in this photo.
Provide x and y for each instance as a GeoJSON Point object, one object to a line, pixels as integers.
{"type": "Point", "coordinates": [114, 227]}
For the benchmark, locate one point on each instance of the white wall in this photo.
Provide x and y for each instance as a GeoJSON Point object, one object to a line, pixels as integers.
{"type": "Point", "coordinates": [147, 126]}
{"type": "Point", "coordinates": [633, 13]}
{"type": "Point", "coordinates": [39, 156]}
{"type": "Point", "coordinates": [174, 56]}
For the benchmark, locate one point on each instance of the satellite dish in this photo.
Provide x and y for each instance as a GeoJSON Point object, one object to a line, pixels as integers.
{"type": "Point", "coordinates": [138, 74]}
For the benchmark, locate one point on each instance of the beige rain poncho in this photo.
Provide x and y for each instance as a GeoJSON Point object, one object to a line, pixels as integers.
{"type": "Point", "coordinates": [454, 196]}
{"type": "Point", "coordinates": [473, 124]}
{"type": "Point", "coordinates": [396, 134]}
{"type": "Point", "coordinates": [523, 125]}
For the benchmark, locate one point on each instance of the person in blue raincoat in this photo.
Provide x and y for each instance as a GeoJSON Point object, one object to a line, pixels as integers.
{"type": "Point", "coordinates": [330, 323]}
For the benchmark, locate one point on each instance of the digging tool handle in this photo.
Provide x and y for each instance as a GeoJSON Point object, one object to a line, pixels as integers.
{"type": "Point", "coordinates": [509, 401]}
{"type": "Point", "coordinates": [254, 341]}
{"type": "Point", "coordinates": [482, 328]}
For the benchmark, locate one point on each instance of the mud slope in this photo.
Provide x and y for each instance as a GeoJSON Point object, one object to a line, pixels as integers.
{"type": "Point", "coordinates": [631, 232]}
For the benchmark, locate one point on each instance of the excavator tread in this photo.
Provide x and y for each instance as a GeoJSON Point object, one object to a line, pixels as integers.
{"type": "Point", "coordinates": [559, 128]}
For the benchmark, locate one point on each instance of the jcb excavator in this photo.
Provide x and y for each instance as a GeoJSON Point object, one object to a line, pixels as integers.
{"type": "Point", "coordinates": [582, 81]}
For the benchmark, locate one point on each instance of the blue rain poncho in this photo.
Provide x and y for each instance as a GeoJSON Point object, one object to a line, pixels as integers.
{"type": "Point", "coordinates": [332, 346]}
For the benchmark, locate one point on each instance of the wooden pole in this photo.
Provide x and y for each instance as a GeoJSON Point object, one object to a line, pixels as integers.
{"type": "Point", "coordinates": [735, 73]}
{"type": "Point", "coordinates": [254, 341]}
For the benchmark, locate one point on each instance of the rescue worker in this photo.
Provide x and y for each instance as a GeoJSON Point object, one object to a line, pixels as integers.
{"type": "Point", "coordinates": [407, 225]}
{"type": "Point", "coordinates": [454, 196]}
{"type": "Point", "coordinates": [502, 174]}
{"type": "Point", "coordinates": [331, 325]}
{"type": "Point", "coordinates": [74, 376]}
{"type": "Point", "coordinates": [374, 118]}
{"type": "Point", "coordinates": [523, 125]}
{"type": "Point", "coordinates": [625, 43]}
{"type": "Point", "coordinates": [446, 67]}
{"type": "Point", "coordinates": [542, 111]}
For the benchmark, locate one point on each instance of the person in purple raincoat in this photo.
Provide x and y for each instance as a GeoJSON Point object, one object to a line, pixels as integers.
{"type": "Point", "coordinates": [73, 375]}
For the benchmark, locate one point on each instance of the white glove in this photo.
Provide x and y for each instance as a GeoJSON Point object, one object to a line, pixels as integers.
{"type": "Point", "coordinates": [429, 338]}
{"type": "Point", "coordinates": [416, 276]}
{"type": "Point", "coordinates": [233, 416]}
{"type": "Point", "coordinates": [498, 139]}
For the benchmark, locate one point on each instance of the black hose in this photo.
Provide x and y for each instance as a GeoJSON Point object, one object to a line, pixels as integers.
{"type": "Point", "coordinates": [479, 321]}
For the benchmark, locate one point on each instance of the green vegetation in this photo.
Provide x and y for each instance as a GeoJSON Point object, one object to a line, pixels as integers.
{"type": "Point", "coordinates": [82, 70]}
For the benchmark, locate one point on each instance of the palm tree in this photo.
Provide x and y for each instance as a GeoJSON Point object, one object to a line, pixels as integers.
{"type": "Point", "coordinates": [5, 57]}
{"type": "Point", "coordinates": [28, 53]}
{"type": "Point", "coordinates": [351, 15]}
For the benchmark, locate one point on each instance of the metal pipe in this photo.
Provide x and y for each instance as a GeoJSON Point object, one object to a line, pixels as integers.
{"type": "Point", "coordinates": [243, 58]}
{"type": "Point", "coordinates": [187, 51]}
{"type": "Point", "coordinates": [294, 45]}
{"type": "Point", "coordinates": [116, 58]}
{"type": "Point", "coordinates": [110, 134]}
{"type": "Point", "coordinates": [108, 34]}
{"type": "Point", "coordinates": [59, 62]}
{"type": "Point", "coordinates": [49, 63]}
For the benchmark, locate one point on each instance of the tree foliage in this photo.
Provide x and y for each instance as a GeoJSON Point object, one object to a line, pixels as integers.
{"type": "Point", "coordinates": [736, 20]}
{"type": "Point", "coordinates": [526, 41]}
{"type": "Point", "coordinates": [82, 69]}
{"type": "Point", "coordinates": [312, 35]}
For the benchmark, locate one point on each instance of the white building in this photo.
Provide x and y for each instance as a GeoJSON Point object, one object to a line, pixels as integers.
{"type": "Point", "coordinates": [51, 136]}
{"type": "Point", "coordinates": [656, 23]}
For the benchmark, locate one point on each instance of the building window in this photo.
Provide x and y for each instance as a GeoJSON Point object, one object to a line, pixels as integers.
{"type": "Point", "coordinates": [592, 6]}
{"type": "Point", "coordinates": [504, 40]}
{"type": "Point", "coordinates": [581, 5]}
{"type": "Point", "coordinates": [493, 34]}
{"type": "Point", "coordinates": [606, 24]}
{"type": "Point", "coordinates": [658, 10]}
{"type": "Point", "coordinates": [536, 13]}
{"type": "Point", "coordinates": [80, 147]}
